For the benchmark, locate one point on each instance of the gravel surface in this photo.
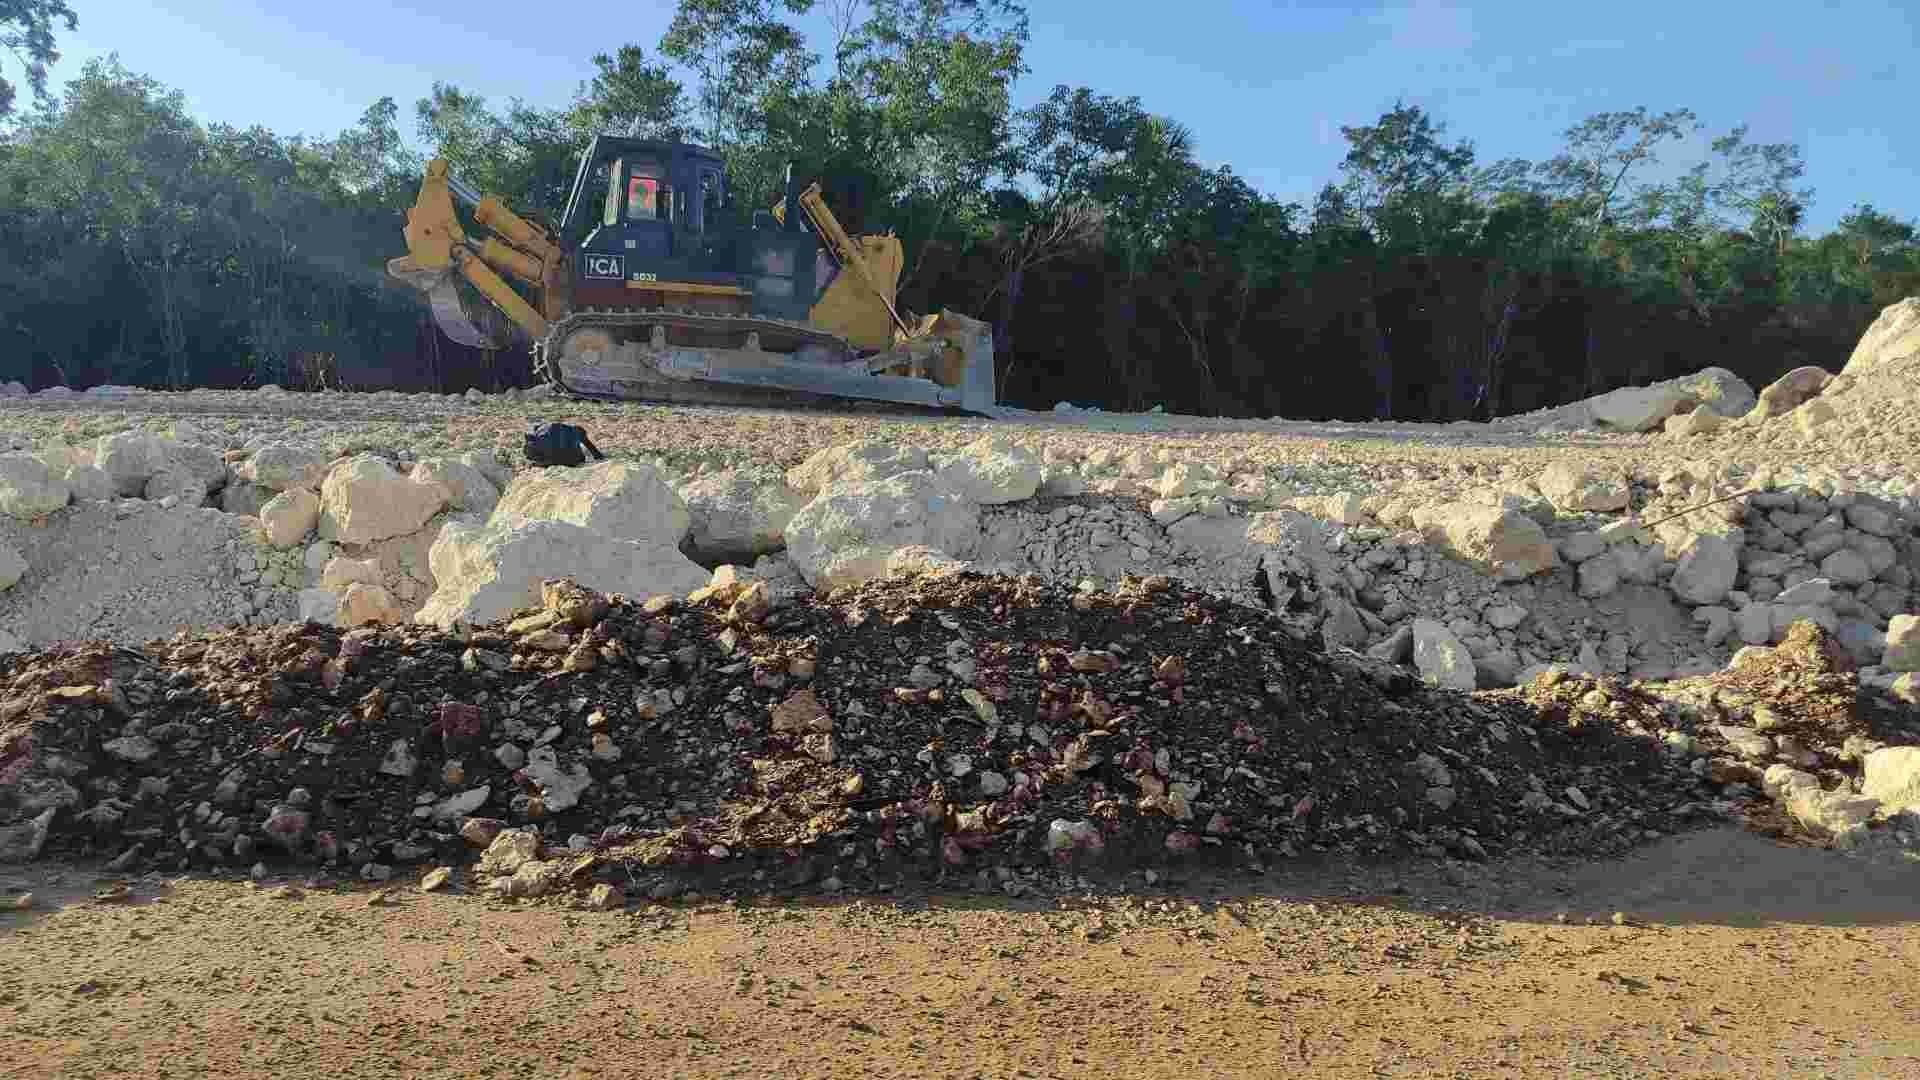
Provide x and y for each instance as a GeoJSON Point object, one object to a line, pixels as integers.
{"type": "Point", "coordinates": [1872, 443]}
{"type": "Point", "coordinates": [1877, 431]}
{"type": "Point", "coordinates": [1714, 954]}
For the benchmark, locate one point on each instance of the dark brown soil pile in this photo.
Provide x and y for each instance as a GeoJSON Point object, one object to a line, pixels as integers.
{"type": "Point", "coordinates": [908, 730]}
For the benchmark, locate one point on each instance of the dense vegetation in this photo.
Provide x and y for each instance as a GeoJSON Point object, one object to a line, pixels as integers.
{"type": "Point", "coordinates": [140, 246]}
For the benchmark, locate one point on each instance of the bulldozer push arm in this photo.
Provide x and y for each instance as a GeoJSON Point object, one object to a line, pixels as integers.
{"type": "Point", "coordinates": [437, 247]}
{"type": "Point", "coordinates": [845, 251]}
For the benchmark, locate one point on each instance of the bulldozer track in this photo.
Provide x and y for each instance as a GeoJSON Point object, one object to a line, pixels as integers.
{"type": "Point", "coordinates": [625, 319]}
{"type": "Point", "coordinates": [545, 367]}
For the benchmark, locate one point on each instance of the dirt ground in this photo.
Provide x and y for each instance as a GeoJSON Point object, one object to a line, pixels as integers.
{"type": "Point", "coordinates": [1733, 956]}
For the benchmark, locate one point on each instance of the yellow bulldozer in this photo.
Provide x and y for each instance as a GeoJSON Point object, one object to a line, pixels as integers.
{"type": "Point", "coordinates": [658, 296]}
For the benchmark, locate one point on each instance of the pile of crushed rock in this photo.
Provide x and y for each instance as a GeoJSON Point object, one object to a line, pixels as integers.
{"type": "Point", "coordinates": [947, 726]}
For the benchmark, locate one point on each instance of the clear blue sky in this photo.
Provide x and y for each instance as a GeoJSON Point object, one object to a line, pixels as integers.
{"type": "Point", "coordinates": [1263, 84]}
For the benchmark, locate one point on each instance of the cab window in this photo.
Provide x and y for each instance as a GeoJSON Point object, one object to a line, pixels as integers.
{"type": "Point", "coordinates": [610, 213]}
{"type": "Point", "coordinates": [648, 197]}
{"type": "Point", "coordinates": [708, 209]}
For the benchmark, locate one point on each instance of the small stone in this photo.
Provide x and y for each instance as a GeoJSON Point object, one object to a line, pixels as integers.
{"type": "Point", "coordinates": [436, 878]}
{"type": "Point", "coordinates": [481, 832]}
{"type": "Point", "coordinates": [1092, 662]}
{"type": "Point", "coordinates": [604, 897]}
{"type": "Point", "coordinates": [400, 759]}
{"type": "Point", "coordinates": [981, 707]}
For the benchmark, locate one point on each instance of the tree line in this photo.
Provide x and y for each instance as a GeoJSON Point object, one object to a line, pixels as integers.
{"type": "Point", "coordinates": [138, 245]}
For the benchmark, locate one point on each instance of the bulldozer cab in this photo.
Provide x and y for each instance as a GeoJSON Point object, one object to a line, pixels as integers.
{"type": "Point", "coordinates": [663, 228]}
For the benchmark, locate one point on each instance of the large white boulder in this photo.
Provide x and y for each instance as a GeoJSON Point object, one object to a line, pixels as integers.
{"type": "Point", "coordinates": [847, 533]}
{"type": "Point", "coordinates": [1789, 392]}
{"type": "Point", "coordinates": [364, 499]}
{"type": "Point", "coordinates": [129, 458]}
{"type": "Point", "coordinates": [289, 516]}
{"type": "Point", "coordinates": [737, 516]}
{"type": "Point", "coordinates": [1892, 775]}
{"type": "Point", "coordinates": [363, 603]}
{"type": "Point", "coordinates": [1701, 421]}
{"type": "Point", "coordinates": [341, 572]}
{"type": "Point", "coordinates": [1507, 542]}
{"type": "Point", "coordinates": [469, 489]}
{"type": "Point", "coordinates": [196, 467]}
{"type": "Point", "coordinates": [1895, 335]}
{"type": "Point", "coordinates": [485, 573]}
{"type": "Point", "coordinates": [1839, 815]}
{"type": "Point", "coordinates": [990, 471]}
{"type": "Point", "coordinates": [1708, 565]}
{"type": "Point", "coordinates": [863, 460]}
{"type": "Point", "coordinates": [1718, 391]}
{"type": "Point", "coordinates": [279, 466]}
{"type": "Point", "coordinates": [74, 465]}
{"type": "Point", "coordinates": [1637, 408]}
{"type": "Point", "coordinates": [1573, 487]}
{"type": "Point", "coordinates": [140, 463]}
{"type": "Point", "coordinates": [1903, 644]}
{"type": "Point", "coordinates": [28, 489]}
{"type": "Point", "coordinates": [620, 499]}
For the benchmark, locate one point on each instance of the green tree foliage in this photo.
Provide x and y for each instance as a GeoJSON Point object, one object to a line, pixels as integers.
{"type": "Point", "coordinates": [26, 37]}
{"type": "Point", "coordinates": [527, 155]}
{"type": "Point", "coordinates": [1595, 180]}
{"type": "Point", "coordinates": [747, 63]}
{"type": "Point", "coordinates": [1118, 265]}
{"type": "Point", "coordinates": [145, 248]}
{"type": "Point", "coordinates": [630, 96]}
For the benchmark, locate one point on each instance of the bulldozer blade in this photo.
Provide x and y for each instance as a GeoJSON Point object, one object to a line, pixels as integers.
{"type": "Point", "coordinates": [443, 295]}
{"type": "Point", "coordinates": [970, 346]}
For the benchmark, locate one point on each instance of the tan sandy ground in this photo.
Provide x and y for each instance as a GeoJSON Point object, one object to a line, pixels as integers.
{"type": "Point", "coordinates": [1738, 958]}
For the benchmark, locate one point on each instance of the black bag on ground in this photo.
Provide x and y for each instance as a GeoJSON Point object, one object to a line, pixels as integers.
{"type": "Point", "coordinates": [559, 444]}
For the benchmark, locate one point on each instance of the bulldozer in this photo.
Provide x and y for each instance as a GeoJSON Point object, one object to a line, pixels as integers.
{"type": "Point", "coordinates": [652, 289]}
